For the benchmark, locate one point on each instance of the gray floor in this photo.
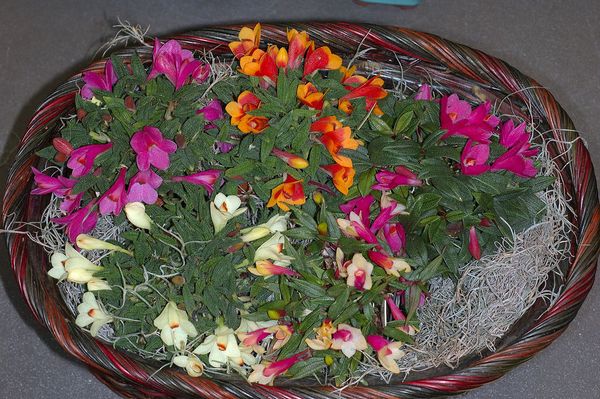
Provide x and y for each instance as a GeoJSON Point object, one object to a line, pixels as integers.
{"type": "Point", "coordinates": [42, 42]}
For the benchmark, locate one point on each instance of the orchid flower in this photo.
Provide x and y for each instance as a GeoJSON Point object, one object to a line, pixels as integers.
{"type": "Point", "coordinates": [474, 248]}
{"type": "Point", "coordinates": [424, 93]}
{"type": "Point", "coordinates": [360, 206]}
{"type": "Point", "coordinates": [192, 365]}
{"type": "Point", "coordinates": [473, 159]}
{"type": "Point", "coordinates": [136, 214]}
{"type": "Point", "coordinates": [252, 339]}
{"type": "Point", "coordinates": [151, 148]}
{"type": "Point", "coordinates": [458, 119]}
{"type": "Point", "coordinates": [176, 64]}
{"type": "Point", "coordinates": [223, 209]}
{"type": "Point", "coordinates": [395, 236]}
{"type": "Point", "coordinates": [142, 187]}
{"type": "Point", "coordinates": [516, 160]}
{"type": "Point", "coordinates": [323, 339]}
{"type": "Point", "coordinates": [90, 313]}
{"type": "Point", "coordinates": [87, 242]}
{"type": "Point", "coordinates": [397, 314]}
{"type": "Point", "coordinates": [82, 159]}
{"type": "Point", "coordinates": [290, 192]}
{"type": "Point", "coordinates": [273, 249]}
{"type": "Point", "coordinates": [79, 222]}
{"type": "Point", "coordinates": [336, 140]}
{"type": "Point", "coordinates": [239, 112]}
{"type": "Point", "coordinates": [223, 147]}
{"type": "Point", "coordinates": [292, 160]}
{"type": "Point", "coordinates": [262, 64]}
{"type": "Point", "coordinates": [277, 223]}
{"type": "Point", "coordinates": [341, 269]}
{"type": "Point", "coordinates": [348, 339]}
{"type": "Point", "coordinates": [249, 41]}
{"type": "Point", "coordinates": [372, 90]}
{"type": "Point", "coordinates": [389, 209]}
{"type": "Point", "coordinates": [267, 268]}
{"type": "Point", "coordinates": [115, 198]}
{"type": "Point", "coordinates": [72, 266]}
{"type": "Point", "coordinates": [401, 176]}
{"type": "Point", "coordinates": [310, 96]}
{"type": "Point", "coordinates": [174, 326]}
{"type": "Point", "coordinates": [511, 135]}
{"type": "Point", "coordinates": [221, 346]}
{"type": "Point", "coordinates": [326, 124]}
{"type": "Point", "coordinates": [98, 81]}
{"type": "Point", "coordinates": [205, 178]}
{"type": "Point", "coordinates": [59, 186]}
{"type": "Point", "coordinates": [321, 59]}
{"type": "Point", "coordinates": [393, 266]}
{"type": "Point", "coordinates": [343, 176]}
{"type": "Point", "coordinates": [98, 284]}
{"type": "Point", "coordinates": [299, 42]}
{"type": "Point", "coordinates": [265, 373]}
{"type": "Point", "coordinates": [359, 273]}
{"type": "Point", "coordinates": [71, 201]}
{"type": "Point", "coordinates": [387, 352]}
{"type": "Point", "coordinates": [212, 111]}
{"type": "Point", "coordinates": [356, 228]}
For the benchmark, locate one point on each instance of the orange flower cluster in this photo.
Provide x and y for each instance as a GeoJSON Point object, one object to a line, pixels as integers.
{"type": "Point", "coordinates": [290, 192]}
{"type": "Point", "coordinates": [336, 137]}
{"type": "Point", "coordinates": [371, 89]}
{"type": "Point", "coordinates": [240, 117]}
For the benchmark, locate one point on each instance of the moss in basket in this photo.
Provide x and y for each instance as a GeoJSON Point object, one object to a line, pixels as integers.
{"type": "Point", "coordinates": [282, 233]}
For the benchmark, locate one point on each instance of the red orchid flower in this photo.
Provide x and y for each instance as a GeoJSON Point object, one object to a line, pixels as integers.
{"type": "Point", "coordinates": [152, 149]}
{"type": "Point", "coordinates": [457, 118]}
{"type": "Point", "coordinates": [290, 192]}
{"type": "Point", "coordinates": [310, 96]}
{"type": "Point", "coordinates": [261, 64]}
{"type": "Point", "coordinates": [82, 159]}
{"type": "Point", "coordinates": [298, 44]}
{"type": "Point", "coordinates": [321, 59]}
{"type": "Point", "coordinates": [98, 81]}
{"type": "Point", "coordinates": [238, 110]}
{"type": "Point", "coordinates": [473, 159]}
{"type": "Point", "coordinates": [205, 178]}
{"type": "Point", "coordinates": [176, 64]}
{"type": "Point", "coordinates": [372, 90]}
{"type": "Point", "coordinates": [115, 198]}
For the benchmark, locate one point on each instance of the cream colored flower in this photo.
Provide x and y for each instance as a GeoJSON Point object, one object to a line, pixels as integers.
{"type": "Point", "coordinates": [90, 313]}
{"type": "Point", "coordinates": [388, 356]}
{"type": "Point", "coordinates": [359, 273]}
{"type": "Point", "coordinates": [223, 209]}
{"type": "Point", "coordinates": [85, 241]}
{"type": "Point", "coordinates": [277, 223]}
{"type": "Point", "coordinates": [191, 364]}
{"type": "Point", "coordinates": [222, 347]}
{"type": "Point", "coordinates": [73, 266]}
{"type": "Point", "coordinates": [175, 326]}
{"type": "Point", "coordinates": [273, 249]}
{"type": "Point", "coordinates": [136, 214]}
{"type": "Point", "coordinates": [348, 339]}
{"type": "Point", "coordinates": [97, 284]}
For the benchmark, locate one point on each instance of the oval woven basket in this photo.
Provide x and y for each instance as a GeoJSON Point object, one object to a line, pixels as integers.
{"type": "Point", "coordinates": [400, 56]}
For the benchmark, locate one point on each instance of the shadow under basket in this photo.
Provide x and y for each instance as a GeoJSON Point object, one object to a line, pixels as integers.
{"type": "Point", "coordinates": [402, 57]}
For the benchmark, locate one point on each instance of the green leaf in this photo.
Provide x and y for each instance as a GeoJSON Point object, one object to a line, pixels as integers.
{"type": "Point", "coordinates": [387, 151]}
{"type": "Point", "coordinates": [309, 289]}
{"type": "Point", "coordinates": [379, 125]}
{"type": "Point", "coordinates": [304, 218]}
{"type": "Point", "coordinates": [403, 122]}
{"type": "Point", "coordinates": [340, 303]}
{"type": "Point", "coordinates": [395, 334]}
{"type": "Point", "coordinates": [365, 181]}
{"type": "Point", "coordinates": [307, 368]}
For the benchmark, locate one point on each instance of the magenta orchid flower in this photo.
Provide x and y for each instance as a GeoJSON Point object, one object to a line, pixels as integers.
{"type": "Point", "coordinates": [176, 64]}
{"type": "Point", "coordinates": [424, 93]}
{"type": "Point", "coordinates": [115, 198]}
{"type": "Point", "coordinates": [473, 159]}
{"type": "Point", "coordinates": [511, 135]}
{"type": "Point", "coordinates": [58, 186]}
{"type": "Point", "coordinates": [142, 187]}
{"type": "Point", "coordinates": [458, 119]}
{"type": "Point", "coordinates": [355, 227]}
{"type": "Point", "coordinates": [265, 373]}
{"type": "Point", "coordinates": [517, 161]}
{"type": "Point", "coordinates": [71, 202]}
{"type": "Point", "coordinates": [206, 179]}
{"type": "Point", "coordinates": [98, 81]}
{"type": "Point", "coordinates": [79, 222]}
{"type": "Point", "coordinates": [152, 149]}
{"type": "Point", "coordinates": [474, 248]}
{"type": "Point", "coordinates": [212, 111]}
{"type": "Point", "coordinates": [388, 209]}
{"type": "Point", "coordinates": [82, 159]}
{"type": "Point", "coordinates": [360, 206]}
{"type": "Point", "coordinates": [401, 176]}
{"type": "Point", "coordinates": [395, 236]}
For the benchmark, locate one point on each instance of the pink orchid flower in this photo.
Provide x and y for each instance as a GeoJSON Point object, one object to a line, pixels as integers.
{"type": "Point", "coordinates": [511, 135]}
{"type": "Point", "coordinates": [393, 266]}
{"type": "Point", "coordinates": [395, 236]}
{"type": "Point", "coordinates": [360, 206]}
{"type": "Point", "coordinates": [253, 338]}
{"type": "Point", "coordinates": [359, 273]}
{"type": "Point", "coordinates": [401, 176]}
{"type": "Point", "coordinates": [387, 352]}
{"type": "Point", "coordinates": [474, 248]}
{"type": "Point", "coordinates": [354, 227]}
{"type": "Point", "coordinates": [71, 202]}
{"type": "Point", "coordinates": [212, 111]}
{"type": "Point", "coordinates": [348, 339]}
{"type": "Point", "coordinates": [82, 159]}
{"type": "Point", "coordinates": [58, 186]}
{"type": "Point", "coordinates": [176, 64]}
{"type": "Point", "coordinates": [398, 314]}
{"type": "Point", "coordinates": [98, 81]}
{"type": "Point", "coordinates": [424, 93]}
{"type": "Point", "coordinates": [115, 198]}
{"type": "Point", "coordinates": [388, 210]}
{"type": "Point", "coordinates": [79, 222]}
{"type": "Point", "coordinates": [142, 187]}
{"type": "Point", "coordinates": [152, 149]}
{"type": "Point", "coordinates": [458, 119]}
{"type": "Point", "coordinates": [473, 159]}
{"type": "Point", "coordinates": [517, 161]}
{"type": "Point", "coordinates": [265, 373]}
{"type": "Point", "coordinates": [206, 179]}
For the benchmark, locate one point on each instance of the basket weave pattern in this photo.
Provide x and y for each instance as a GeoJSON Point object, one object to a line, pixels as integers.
{"type": "Point", "coordinates": [396, 53]}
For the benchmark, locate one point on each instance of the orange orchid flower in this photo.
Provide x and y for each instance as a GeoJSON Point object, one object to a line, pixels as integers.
{"type": "Point", "coordinates": [372, 89]}
{"type": "Point", "coordinates": [261, 64]}
{"type": "Point", "coordinates": [310, 96]}
{"type": "Point", "coordinates": [350, 78]}
{"type": "Point", "coordinates": [343, 176]}
{"type": "Point", "coordinates": [279, 55]}
{"type": "Point", "coordinates": [336, 140]}
{"type": "Point", "coordinates": [321, 58]}
{"type": "Point", "coordinates": [298, 44]}
{"type": "Point", "coordinates": [292, 160]}
{"type": "Point", "coordinates": [238, 110]}
{"type": "Point", "coordinates": [290, 192]}
{"type": "Point", "coordinates": [249, 41]}
{"type": "Point", "coordinates": [325, 124]}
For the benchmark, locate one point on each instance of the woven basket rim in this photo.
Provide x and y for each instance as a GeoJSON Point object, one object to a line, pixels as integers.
{"type": "Point", "coordinates": [446, 59]}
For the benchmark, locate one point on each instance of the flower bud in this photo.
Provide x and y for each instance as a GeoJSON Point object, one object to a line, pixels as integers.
{"type": "Point", "coordinates": [130, 104]}
{"type": "Point", "coordinates": [85, 241]}
{"type": "Point", "coordinates": [136, 214]}
{"type": "Point", "coordinates": [178, 280]}
{"type": "Point", "coordinates": [62, 145]}
{"type": "Point", "coordinates": [322, 228]}
{"type": "Point", "coordinates": [81, 113]}
{"type": "Point", "coordinates": [256, 233]}
{"type": "Point", "coordinates": [318, 197]}
{"type": "Point", "coordinates": [276, 314]}
{"type": "Point", "coordinates": [328, 360]}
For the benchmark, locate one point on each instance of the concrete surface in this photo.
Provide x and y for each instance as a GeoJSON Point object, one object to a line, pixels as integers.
{"type": "Point", "coordinates": [42, 42]}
